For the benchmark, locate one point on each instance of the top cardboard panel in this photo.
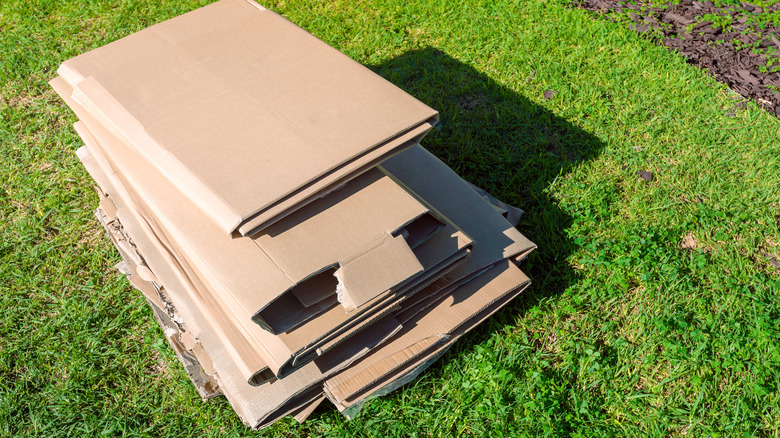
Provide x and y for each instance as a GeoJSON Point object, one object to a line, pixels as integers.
{"type": "Point", "coordinates": [242, 109]}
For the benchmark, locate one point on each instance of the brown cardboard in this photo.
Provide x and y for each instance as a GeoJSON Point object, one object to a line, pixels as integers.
{"type": "Point", "coordinates": [275, 352]}
{"type": "Point", "coordinates": [250, 407]}
{"type": "Point", "coordinates": [196, 367]}
{"type": "Point", "coordinates": [260, 406]}
{"type": "Point", "coordinates": [232, 74]}
{"type": "Point", "coordinates": [302, 413]}
{"type": "Point", "coordinates": [428, 178]}
{"type": "Point", "coordinates": [430, 331]}
{"type": "Point", "coordinates": [239, 76]}
{"type": "Point", "coordinates": [256, 405]}
{"type": "Point", "coordinates": [247, 355]}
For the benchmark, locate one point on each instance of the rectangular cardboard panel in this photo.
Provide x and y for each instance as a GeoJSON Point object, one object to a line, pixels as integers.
{"type": "Point", "coordinates": [242, 77]}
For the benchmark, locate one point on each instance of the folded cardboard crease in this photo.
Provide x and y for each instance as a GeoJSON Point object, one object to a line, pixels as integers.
{"type": "Point", "coordinates": [271, 201]}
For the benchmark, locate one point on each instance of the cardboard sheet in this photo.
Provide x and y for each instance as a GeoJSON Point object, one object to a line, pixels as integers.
{"type": "Point", "coordinates": [227, 255]}
{"type": "Point", "coordinates": [239, 76]}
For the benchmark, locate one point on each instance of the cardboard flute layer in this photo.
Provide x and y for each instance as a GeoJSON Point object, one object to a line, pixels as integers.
{"type": "Point", "coordinates": [191, 296]}
{"type": "Point", "coordinates": [203, 94]}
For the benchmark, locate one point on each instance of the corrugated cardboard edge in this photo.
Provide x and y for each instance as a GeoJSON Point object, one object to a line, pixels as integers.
{"type": "Point", "coordinates": [204, 383]}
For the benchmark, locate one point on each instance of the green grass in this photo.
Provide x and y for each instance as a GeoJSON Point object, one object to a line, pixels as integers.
{"type": "Point", "coordinates": [653, 310]}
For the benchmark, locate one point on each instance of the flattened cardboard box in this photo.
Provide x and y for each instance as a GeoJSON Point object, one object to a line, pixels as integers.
{"type": "Point", "coordinates": [239, 76]}
{"type": "Point", "coordinates": [279, 347]}
{"type": "Point", "coordinates": [260, 406]}
{"type": "Point", "coordinates": [468, 191]}
{"type": "Point", "coordinates": [218, 247]}
{"type": "Point", "coordinates": [250, 408]}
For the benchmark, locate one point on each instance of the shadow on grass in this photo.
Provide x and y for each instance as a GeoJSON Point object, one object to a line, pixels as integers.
{"type": "Point", "coordinates": [511, 147]}
{"type": "Point", "coordinates": [506, 144]}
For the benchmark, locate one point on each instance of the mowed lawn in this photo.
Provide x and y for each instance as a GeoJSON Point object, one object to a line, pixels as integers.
{"type": "Point", "coordinates": [655, 305]}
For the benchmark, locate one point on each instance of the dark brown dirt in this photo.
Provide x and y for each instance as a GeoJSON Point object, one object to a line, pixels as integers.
{"type": "Point", "coordinates": [729, 54]}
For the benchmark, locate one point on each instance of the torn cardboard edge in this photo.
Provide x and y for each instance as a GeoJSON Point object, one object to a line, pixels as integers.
{"type": "Point", "coordinates": [203, 381]}
{"type": "Point", "coordinates": [261, 405]}
{"type": "Point", "coordinates": [247, 358]}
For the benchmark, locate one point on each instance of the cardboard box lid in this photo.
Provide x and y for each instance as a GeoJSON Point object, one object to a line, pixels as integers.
{"type": "Point", "coordinates": [242, 109]}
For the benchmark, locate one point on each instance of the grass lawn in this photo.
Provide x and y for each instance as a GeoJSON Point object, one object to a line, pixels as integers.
{"type": "Point", "coordinates": [655, 304]}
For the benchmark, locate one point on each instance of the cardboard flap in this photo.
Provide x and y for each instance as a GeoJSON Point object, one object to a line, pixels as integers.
{"type": "Point", "coordinates": [344, 223]}
{"type": "Point", "coordinates": [511, 213]}
{"type": "Point", "coordinates": [357, 346]}
{"type": "Point", "coordinates": [430, 179]}
{"type": "Point", "coordinates": [340, 176]}
{"type": "Point", "coordinates": [361, 279]}
{"type": "Point", "coordinates": [108, 207]}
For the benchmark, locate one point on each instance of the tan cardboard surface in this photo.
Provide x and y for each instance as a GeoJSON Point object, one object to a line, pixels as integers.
{"type": "Point", "coordinates": [452, 316]}
{"type": "Point", "coordinates": [248, 406]}
{"type": "Point", "coordinates": [302, 414]}
{"type": "Point", "coordinates": [276, 352]}
{"type": "Point", "coordinates": [256, 405]}
{"type": "Point", "coordinates": [388, 382]}
{"type": "Point", "coordinates": [248, 354]}
{"type": "Point", "coordinates": [244, 78]}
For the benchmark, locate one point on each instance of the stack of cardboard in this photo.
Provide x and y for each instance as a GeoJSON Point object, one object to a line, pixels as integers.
{"type": "Point", "coordinates": [270, 199]}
